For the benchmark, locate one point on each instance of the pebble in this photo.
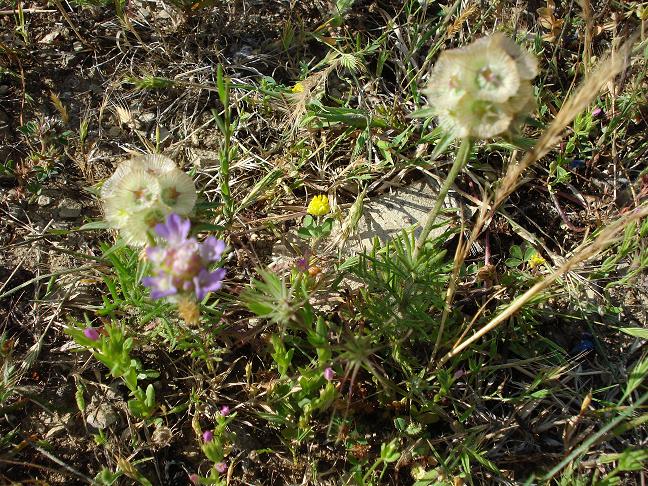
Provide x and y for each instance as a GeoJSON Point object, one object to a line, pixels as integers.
{"type": "Point", "coordinates": [44, 200]}
{"type": "Point", "coordinates": [101, 416]}
{"type": "Point", "coordinates": [69, 209]}
{"type": "Point", "coordinates": [146, 117]}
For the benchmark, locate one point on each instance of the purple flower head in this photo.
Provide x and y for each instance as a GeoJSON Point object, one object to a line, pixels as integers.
{"type": "Point", "coordinates": [180, 263]}
{"type": "Point", "coordinates": [596, 111]}
{"type": "Point", "coordinates": [161, 286]}
{"type": "Point", "coordinates": [329, 374]}
{"type": "Point", "coordinates": [302, 264]}
{"type": "Point", "coordinates": [175, 230]}
{"type": "Point", "coordinates": [221, 467]}
{"type": "Point", "coordinates": [91, 333]}
{"type": "Point", "coordinates": [206, 282]}
{"type": "Point", "coordinates": [225, 411]}
{"type": "Point", "coordinates": [212, 249]}
{"type": "Point", "coordinates": [208, 436]}
{"type": "Point", "coordinates": [194, 478]}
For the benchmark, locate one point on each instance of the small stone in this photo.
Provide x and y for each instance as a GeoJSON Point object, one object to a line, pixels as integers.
{"type": "Point", "coordinates": [44, 200]}
{"type": "Point", "coordinates": [114, 132]}
{"type": "Point", "coordinates": [203, 158]}
{"type": "Point", "coordinates": [386, 215]}
{"type": "Point", "coordinates": [147, 118]}
{"type": "Point", "coordinates": [101, 416]}
{"type": "Point", "coordinates": [69, 209]}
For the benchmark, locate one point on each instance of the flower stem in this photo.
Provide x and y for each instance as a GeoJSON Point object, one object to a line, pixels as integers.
{"type": "Point", "coordinates": [460, 160]}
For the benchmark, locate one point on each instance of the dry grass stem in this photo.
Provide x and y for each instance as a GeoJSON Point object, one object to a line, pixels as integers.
{"type": "Point", "coordinates": [584, 252]}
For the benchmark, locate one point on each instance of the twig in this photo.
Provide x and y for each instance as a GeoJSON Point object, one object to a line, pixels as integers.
{"type": "Point", "coordinates": [27, 10]}
{"type": "Point", "coordinates": [70, 23]}
{"type": "Point", "coordinates": [563, 216]}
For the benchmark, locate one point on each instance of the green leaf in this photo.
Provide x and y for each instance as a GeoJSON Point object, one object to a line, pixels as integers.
{"type": "Point", "coordinates": [513, 262]}
{"type": "Point", "coordinates": [389, 452]}
{"type": "Point", "coordinates": [639, 332]}
{"type": "Point", "coordinates": [308, 221]}
{"type": "Point", "coordinates": [423, 113]}
{"type": "Point", "coordinates": [94, 225]}
{"type": "Point", "coordinates": [638, 374]}
{"type": "Point", "coordinates": [528, 253]}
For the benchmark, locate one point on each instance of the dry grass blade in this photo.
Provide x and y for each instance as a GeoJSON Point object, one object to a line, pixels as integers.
{"type": "Point", "coordinates": [584, 252]}
{"type": "Point", "coordinates": [586, 6]}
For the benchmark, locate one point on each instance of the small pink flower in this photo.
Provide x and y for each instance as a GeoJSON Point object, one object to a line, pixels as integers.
{"type": "Point", "coordinates": [225, 411]}
{"type": "Point", "coordinates": [596, 111]}
{"type": "Point", "coordinates": [208, 436]}
{"type": "Point", "coordinates": [91, 333]}
{"type": "Point", "coordinates": [221, 467]}
{"type": "Point", "coordinates": [329, 374]}
{"type": "Point", "coordinates": [194, 478]}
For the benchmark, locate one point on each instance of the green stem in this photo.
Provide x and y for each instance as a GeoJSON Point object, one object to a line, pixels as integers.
{"type": "Point", "coordinates": [460, 161]}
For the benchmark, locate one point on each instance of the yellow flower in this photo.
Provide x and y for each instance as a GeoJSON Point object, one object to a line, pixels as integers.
{"type": "Point", "coordinates": [298, 88]}
{"type": "Point", "coordinates": [319, 206]}
{"type": "Point", "coordinates": [536, 260]}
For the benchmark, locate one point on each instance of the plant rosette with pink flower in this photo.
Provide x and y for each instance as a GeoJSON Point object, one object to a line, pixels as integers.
{"type": "Point", "coordinates": [181, 264]}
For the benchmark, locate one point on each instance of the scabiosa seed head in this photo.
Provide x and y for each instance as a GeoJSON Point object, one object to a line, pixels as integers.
{"type": "Point", "coordinates": [319, 206]}
{"type": "Point", "coordinates": [142, 192]}
{"type": "Point", "coordinates": [484, 89]}
{"type": "Point", "coordinates": [91, 333]}
{"type": "Point", "coordinates": [180, 265]}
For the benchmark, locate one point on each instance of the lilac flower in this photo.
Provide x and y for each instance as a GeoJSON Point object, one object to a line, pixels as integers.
{"type": "Point", "coordinates": [180, 262]}
{"type": "Point", "coordinates": [225, 411]}
{"type": "Point", "coordinates": [596, 111]}
{"type": "Point", "coordinates": [91, 333]}
{"type": "Point", "coordinates": [302, 264]}
{"type": "Point", "coordinates": [176, 229]}
{"type": "Point", "coordinates": [212, 249]}
{"type": "Point", "coordinates": [221, 467]}
{"type": "Point", "coordinates": [329, 374]}
{"type": "Point", "coordinates": [194, 478]}
{"type": "Point", "coordinates": [208, 436]}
